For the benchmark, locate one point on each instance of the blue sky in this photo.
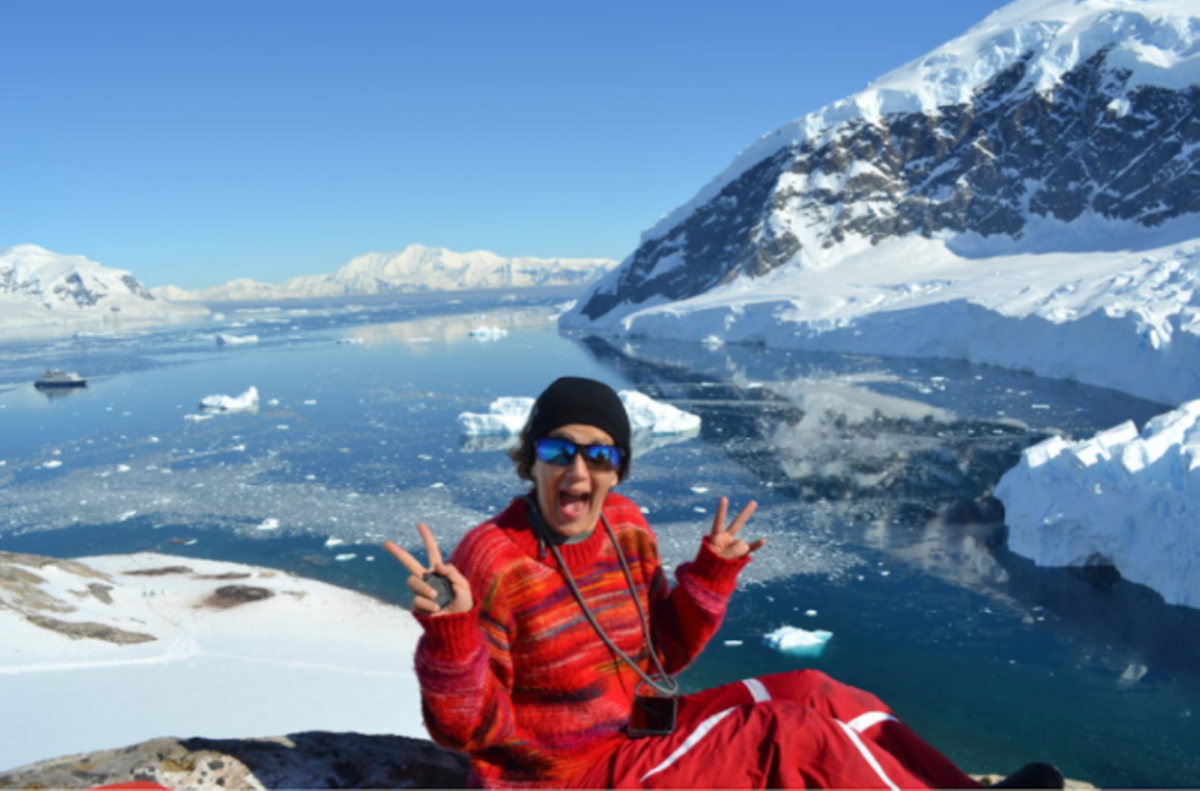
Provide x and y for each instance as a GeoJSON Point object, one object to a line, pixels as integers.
{"type": "Point", "coordinates": [195, 142]}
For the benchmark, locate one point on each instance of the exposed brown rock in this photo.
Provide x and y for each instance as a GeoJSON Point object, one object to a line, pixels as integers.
{"type": "Point", "coordinates": [90, 630]}
{"type": "Point", "coordinates": [234, 595]}
{"type": "Point", "coordinates": [159, 572]}
{"type": "Point", "coordinates": [21, 588]}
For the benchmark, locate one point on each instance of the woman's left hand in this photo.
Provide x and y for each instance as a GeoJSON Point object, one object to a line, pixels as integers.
{"type": "Point", "coordinates": [725, 541]}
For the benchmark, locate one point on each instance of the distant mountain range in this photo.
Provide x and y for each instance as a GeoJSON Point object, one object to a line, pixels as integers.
{"type": "Point", "coordinates": [40, 287]}
{"type": "Point", "coordinates": [414, 269]}
{"type": "Point", "coordinates": [1053, 125]}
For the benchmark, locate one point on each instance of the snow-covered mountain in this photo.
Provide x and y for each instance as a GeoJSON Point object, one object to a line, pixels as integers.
{"type": "Point", "coordinates": [39, 287]}
{"type": "Point", "coordinates": [1009, 198]}
{"type": "Point", "coordinates": [414, 269]}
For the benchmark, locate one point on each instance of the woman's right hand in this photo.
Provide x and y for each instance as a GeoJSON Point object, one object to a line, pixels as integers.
{"type": "Point", "coordinates": [424, 595]}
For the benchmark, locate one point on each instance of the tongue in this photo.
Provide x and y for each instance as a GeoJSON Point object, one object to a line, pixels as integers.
{"type": "Point", "coordinates": [572, 506]}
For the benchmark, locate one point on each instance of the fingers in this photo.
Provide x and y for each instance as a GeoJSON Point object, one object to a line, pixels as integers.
{"type": "Point", "coordinates": [743, 517]}
{"type": "Point", "coordinates": [400, 554]}
{"type": "Point", "coordinates": [431, 547]}
{"type": "Point", "coordinates": [719, 519]}
{"type": "Point", "coordinates": [738, 523]}
{"type": "Point", "coordinates": [757, 545]}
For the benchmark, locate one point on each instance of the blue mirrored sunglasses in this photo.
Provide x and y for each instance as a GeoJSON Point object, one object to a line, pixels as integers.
{"type": "Point", "coordinates": [561, 453]}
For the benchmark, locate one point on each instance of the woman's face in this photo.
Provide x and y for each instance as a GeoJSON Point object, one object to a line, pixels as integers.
{"type": "Point", "coordinates": [571, 497]}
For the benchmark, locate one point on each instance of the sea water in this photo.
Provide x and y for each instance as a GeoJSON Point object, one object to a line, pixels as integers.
{"type": "Point", "coordinates": [873, 477]}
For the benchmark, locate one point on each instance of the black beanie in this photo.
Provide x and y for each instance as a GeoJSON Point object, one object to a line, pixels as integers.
{"type": "Point", "coordinates": [573, 399]}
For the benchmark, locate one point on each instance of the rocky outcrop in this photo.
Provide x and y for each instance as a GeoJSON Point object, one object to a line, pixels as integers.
{"type": "Point", "coordinates": [315, 759]}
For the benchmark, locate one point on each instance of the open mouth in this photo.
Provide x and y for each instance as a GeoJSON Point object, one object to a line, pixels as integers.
{"type": "Point", "coordinates": [573, 505]}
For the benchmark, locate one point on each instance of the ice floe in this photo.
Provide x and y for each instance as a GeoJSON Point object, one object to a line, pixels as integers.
{"type": "Point", "coordinates": [796, 641]}
{"type": "Point", "coordinates": [246, 402]}
{"type": "Point", "coordinates": [488, 333]}
{"type": "Point", "coordinates": [506, 416]}
{"type": "Point", "coordinates": [236, 340]}
{"type": "Point", "coordinates": [1123, 498]}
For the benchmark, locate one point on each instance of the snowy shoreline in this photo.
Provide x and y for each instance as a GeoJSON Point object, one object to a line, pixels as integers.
{"type": "Point", "coordinates": [1122, 320]}
{"type": "Point", "coordinates": [133, 647]}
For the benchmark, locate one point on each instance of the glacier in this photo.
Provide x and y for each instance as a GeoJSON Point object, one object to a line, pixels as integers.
{"type": "Point", "coordinates": [1122, 498]}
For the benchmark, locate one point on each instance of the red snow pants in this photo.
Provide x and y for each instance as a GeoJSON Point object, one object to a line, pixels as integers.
{"type": "Point", "coordinates": [799, 729]}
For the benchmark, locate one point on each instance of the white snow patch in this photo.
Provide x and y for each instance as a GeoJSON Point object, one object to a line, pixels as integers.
{"type": "Point", "coordinates": [310, 657]}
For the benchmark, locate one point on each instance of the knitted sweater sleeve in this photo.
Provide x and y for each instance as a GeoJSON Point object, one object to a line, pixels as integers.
{"type": "Point", "coordinates": [684, 618]}
{"type": "Point", "coordinates": [464, 667]}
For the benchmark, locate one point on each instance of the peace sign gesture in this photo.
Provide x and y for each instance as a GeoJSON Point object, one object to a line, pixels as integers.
{"type": "Point", "coordinates": [424, 594]}
{"type": "Point", "coordinates": [725, 541]}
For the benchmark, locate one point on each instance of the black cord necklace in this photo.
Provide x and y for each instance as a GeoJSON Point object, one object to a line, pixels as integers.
{"type": "Point", "coordinates": [665, 685]}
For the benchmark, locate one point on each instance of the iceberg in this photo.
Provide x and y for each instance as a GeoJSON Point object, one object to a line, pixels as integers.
{"type": "Point", "coordinates": [1122, 498]}
{"type": "Point", "coordinates": [488, 333]}
{"type": "Point", "coordinates": [796, 641]}
{"type": "Point", "coordinates": [246, 402]}
{"type": "Point", "coordinates": [236, 340]}
{"type": "Point", "coordinates": [507, 416]}
{"type": "Point", "coordinates": [646, 414]}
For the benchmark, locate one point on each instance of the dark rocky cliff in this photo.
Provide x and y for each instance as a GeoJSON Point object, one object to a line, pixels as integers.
{"type": "Point", "coordinates": [1093, 145]}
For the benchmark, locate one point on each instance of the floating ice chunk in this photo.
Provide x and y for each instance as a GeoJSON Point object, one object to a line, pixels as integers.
{"type": "Point", "coordinates": [700, 489]}
{"type": "Point", "coordinates": [197, 418]}
{"type": "Point", "coordinates": [507, 415]}
{"type": "Point", "coordinates": [797, 642]}
{"type": "Point", "coordinates": [123, 468]}
{"type": "Point", "coordinates": [347, 556]}
{"type": "Point", "coordinates": [811, 613]}
{"type": "Point", "coordinates": [236, 340]}
{"type": "Point", "coordinates": [50, 465]}
{"type": "Point", "coordinates": [269, 524]}
{"type": "Point", "coordinates": [334, 542]}
{"type": "Point", "coordinates": [646, 414]}
{"type": "Point", "coordinates": [125, 517]}
{"type": "Point", "coordinates": [246, 402]}
{"type": "Point", "coordinates": [733, 642]}
{"type": "Point", "coordinates": [310, 402]}
{"type": "Point", "coordinates": [488, 333]}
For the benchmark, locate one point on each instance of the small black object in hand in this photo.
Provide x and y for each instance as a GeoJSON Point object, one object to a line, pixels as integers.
{"type": "Point", "coordinates": [441, 584]}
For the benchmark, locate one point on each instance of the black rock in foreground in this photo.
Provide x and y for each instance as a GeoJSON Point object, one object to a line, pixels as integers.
{"type": "Point", "coordinates": [313, 759]}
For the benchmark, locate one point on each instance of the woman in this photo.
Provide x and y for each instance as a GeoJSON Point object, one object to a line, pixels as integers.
{"type": "Point", "coordinates": [550, 660]}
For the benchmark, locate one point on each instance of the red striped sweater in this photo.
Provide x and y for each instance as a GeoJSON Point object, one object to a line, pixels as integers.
{"type": "Point", "coordinates": [522, 683]}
